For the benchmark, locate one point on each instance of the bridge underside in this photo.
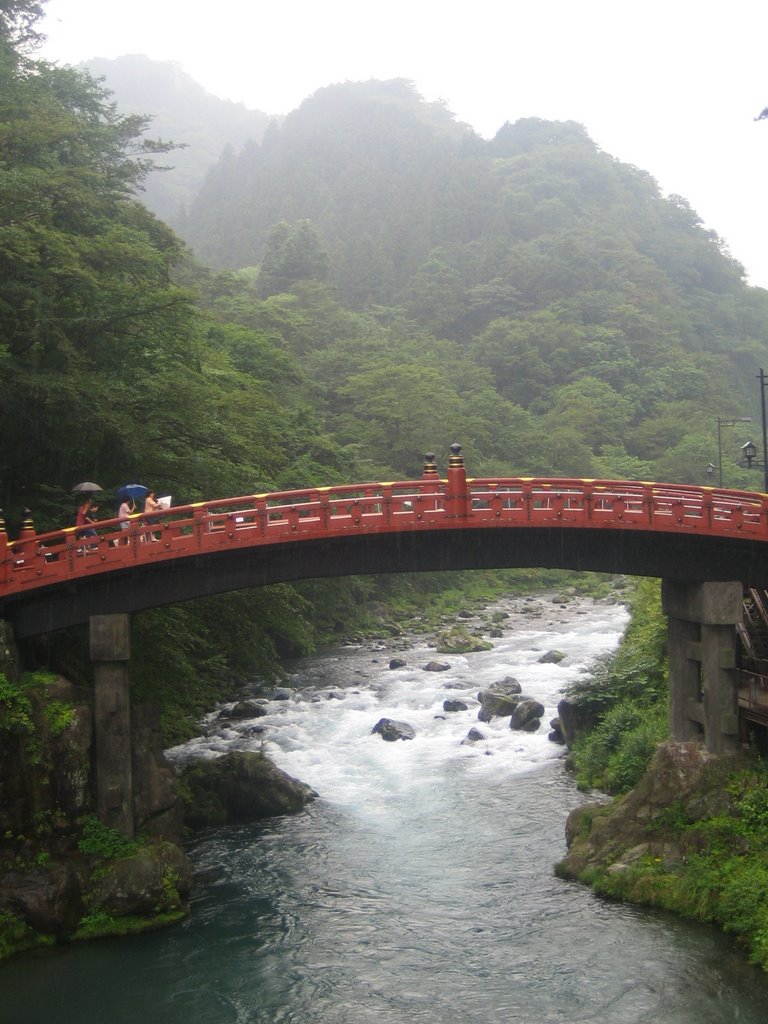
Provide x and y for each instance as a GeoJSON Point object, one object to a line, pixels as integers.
{"type": "Point", "coordinates": [694, 558]}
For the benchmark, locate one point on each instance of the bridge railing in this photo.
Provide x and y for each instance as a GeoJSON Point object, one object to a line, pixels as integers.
{"type": "Point", "coordinates": [621, 503]}
{"type": "Point", "coordinates": [34, 560]}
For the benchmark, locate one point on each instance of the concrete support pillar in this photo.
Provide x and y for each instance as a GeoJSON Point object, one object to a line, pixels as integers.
{"type": "Point", "coordinates": [701, 641]}
{"type": "Point", "coordinates": [9, 656]}
{"type": "Point", "coordinates": [110, 651]}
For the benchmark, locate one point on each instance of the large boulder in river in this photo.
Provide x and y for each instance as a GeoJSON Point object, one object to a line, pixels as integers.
{"type": "Point", "coordinates": [391, 730]}
{"type": "Point", "coordinates": [499, 700]}
{"type": "Point", "coordinates": [473, 736]}
{"type": "Point", "coordinates": [458, 640]}
{"type": "Point", "coordinates": [241, 786]}
{"type": "Point", "coordinates": [527, 715]}
{"type": "Point", "coordinates": [556, 731]}
{"type": "Point", "coordinates": [576, 718]}
{"type": "Point", "coordinates": [454, 705]}
{"type": "Point", "coordinates": [244, 709]}
{"type": "Point", "coordinates": [552, 658]}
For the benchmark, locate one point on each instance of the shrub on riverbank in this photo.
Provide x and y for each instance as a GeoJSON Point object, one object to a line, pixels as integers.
{"type": "Point", "coordinates": [689, 833]}
{"type": "Point", "coordinates": [628, 698]}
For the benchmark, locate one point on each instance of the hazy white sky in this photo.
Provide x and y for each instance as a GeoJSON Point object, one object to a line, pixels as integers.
{"type": "Point", "coordinates": [672, 86]}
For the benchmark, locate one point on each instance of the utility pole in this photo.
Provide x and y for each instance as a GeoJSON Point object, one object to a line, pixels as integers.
{"type": "Point", "coordinates": [761, 378]}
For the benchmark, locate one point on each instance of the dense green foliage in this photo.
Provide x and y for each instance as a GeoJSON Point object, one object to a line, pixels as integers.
{"type": "Point", "coordinates": [627, 692]}
{"type": "Point", "coordinates": [98, 840]}
{"type": "Point", "coordinates": [607, 325]}
{"type": "Point", "coordinates": [386, 283]}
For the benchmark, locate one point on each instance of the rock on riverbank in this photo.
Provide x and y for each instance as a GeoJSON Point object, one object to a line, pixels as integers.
{"type": "Point", "coordinates": [690, 838]}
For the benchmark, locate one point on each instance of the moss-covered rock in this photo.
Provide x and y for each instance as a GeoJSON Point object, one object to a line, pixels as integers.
{"type": "Point", "coordinates": [692, 838]}
{"type": "Point", "coordinates": [459, 640]}
{"type": "Point", "coordinates": [683, 784]}
{"type": "Point", "coordinates": [241, 786]}
{"type": "Point", "coordinates": [155, 879]}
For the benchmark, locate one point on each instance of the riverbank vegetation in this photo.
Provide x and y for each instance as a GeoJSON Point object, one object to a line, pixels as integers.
{"type": "Point", "coordinates": [691, 837]}
{"type": "Point", "coordinates": [626, 696]}
{"type": "Point", "coordinates": [693, 840]}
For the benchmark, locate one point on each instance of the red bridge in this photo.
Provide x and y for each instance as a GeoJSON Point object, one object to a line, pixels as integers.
{"type": "Point", "coordinates": [706, 544]}
{"type": "Point", "coordinates": [52, 580]}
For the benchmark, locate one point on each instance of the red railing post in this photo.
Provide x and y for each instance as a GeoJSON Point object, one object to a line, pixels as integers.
{"type": "Point", "coordinates": [27, 531]}
{"type": "Point", "coordinates": [24, 542]}
{"type": "Point", "coordinates": [430, 467]}
{"type": "Point", "coordinates": [456, 496]}
{"type": "Point", "coordinates": [198, 523]}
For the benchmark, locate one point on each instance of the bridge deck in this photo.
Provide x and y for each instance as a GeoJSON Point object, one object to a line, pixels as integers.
{"type": "Point", "coordinates": [611, 514]}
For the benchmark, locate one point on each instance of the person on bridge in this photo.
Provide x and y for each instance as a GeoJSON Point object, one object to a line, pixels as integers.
{"type": "Point", "coordinates": [85, 515]}
{"type": "Point", "coordinates": [151, 504]}
{"type": "Point", "coordinates": [127, 508]}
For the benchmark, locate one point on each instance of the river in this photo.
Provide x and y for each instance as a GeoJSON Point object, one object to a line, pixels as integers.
{"type": "Point", "coordinates": [419, 886]}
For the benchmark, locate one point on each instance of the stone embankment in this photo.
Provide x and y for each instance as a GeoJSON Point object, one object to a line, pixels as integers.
{"type": "Point", "coordinates": [63, 875]}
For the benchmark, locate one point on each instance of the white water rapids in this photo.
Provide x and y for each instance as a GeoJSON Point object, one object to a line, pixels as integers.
{"type": "Point", "coordinates": [321, 734]}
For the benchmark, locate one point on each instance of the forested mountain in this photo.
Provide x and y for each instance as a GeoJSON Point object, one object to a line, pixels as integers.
{"type": "Point", "coordinates": [370, 282]}
{"type": "Point", "coordinates": [180, 111]}
{"type": "Point", "coordinates": [565, 280]}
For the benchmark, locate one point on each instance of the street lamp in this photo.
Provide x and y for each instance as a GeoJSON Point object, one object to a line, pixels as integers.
{"type": "Point", "coordinates": [749, 451]}
{"type": "Point", "coordinates": [710, 472]}
{"type": "Point", "coordinates": [728, 423]}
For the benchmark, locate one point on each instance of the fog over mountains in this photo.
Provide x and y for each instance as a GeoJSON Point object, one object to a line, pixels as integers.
{"type": "Point", "coordinates": [181, 111]}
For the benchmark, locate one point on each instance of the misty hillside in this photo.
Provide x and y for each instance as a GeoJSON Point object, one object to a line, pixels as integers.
{"type": "Point", "coordinates": [586, 294]}
{"type": "Point", "coordinates": [182, 112]}
{"type": "Point", "coordinates": [416, 211]}
{"type": "Point", "coordinates": [530, 294]}
{"type": "Point", "coordinates": [406, 200]}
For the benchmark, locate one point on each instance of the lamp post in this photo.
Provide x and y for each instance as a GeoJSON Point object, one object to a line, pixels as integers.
{"type": "Point", "coordinates": [728, 423]}
{"type": "Point", "coordinates": [761, 378]}
{"type": "Point", "coordinates": [749, 452]}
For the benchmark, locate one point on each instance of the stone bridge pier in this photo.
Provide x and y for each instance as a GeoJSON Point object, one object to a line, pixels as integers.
{"type": "Point", "coordinates": [110, 637]}
{"type": "Point", "coordinates": [702, 647]}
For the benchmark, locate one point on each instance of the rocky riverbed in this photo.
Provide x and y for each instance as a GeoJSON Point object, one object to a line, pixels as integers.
{"type": "Point", "coordinates": [64, 877]}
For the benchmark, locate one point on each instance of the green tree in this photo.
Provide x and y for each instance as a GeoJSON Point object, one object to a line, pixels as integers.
{"type": "Point", "coordinates": [594, 410]}
{"type": "Point", "coordinates": [18, 21]}
{"type": "Point", "coordinates": [293, 253]}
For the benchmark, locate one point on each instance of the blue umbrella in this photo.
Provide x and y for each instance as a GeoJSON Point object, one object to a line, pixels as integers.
{"type": "Point", "coordinates": [133, 491]}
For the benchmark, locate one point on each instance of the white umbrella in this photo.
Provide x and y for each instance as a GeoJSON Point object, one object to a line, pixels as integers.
{"type": "Point", "coordinates": [86, 487]}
